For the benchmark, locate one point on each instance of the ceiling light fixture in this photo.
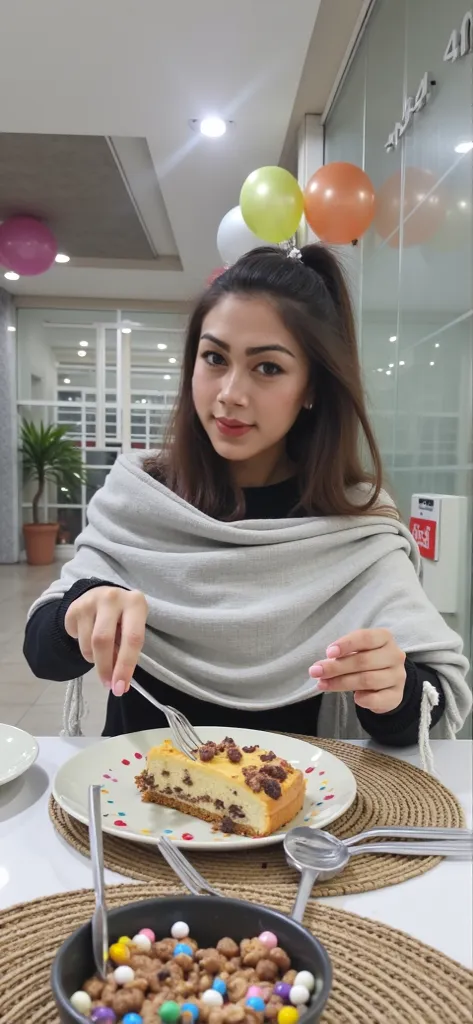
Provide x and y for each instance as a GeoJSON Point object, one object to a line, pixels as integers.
{"type": "Point", "coordinates": [67, 380]}
{"type": "Point", "coordinates": [11, 328]}
{"type": "Point", "coordinates": [213, 127]}
{"type": "Point", "coordinates": [82, 354]}
{"type": "Point", "coordinates": [393, 337]}
{"type": "Point", "coordinates": [432, 363]}
{"type": "Point", "coordinates": [388, 373]}
{"type": "Point", "coordinates": [401, 362]}
{"type": "Point", "coordinates": [437, 344]}
{"type": "Point", "coordinates": [391, 366]}
{"type": "Point", "coordinates": [62, 258]}
{"type": "Point", "coordinates": [167, 376]}
{"type": "Point", "coordinates": [172, 359]}
{"type": "Point", "coordinates": [380, 369]}
{"type": "Point", "coordinates": [464, 147]}
{"type": "Point", "coordinates": [11, 276]}
{"type": "Point", "coordinates": [143, 401]}
{"type": "Point", "coordinates": [126, 330]}
{"type": "Point", "coordinates": [161, 346]}
{"type": "Point", "coordinates": [84, 344]}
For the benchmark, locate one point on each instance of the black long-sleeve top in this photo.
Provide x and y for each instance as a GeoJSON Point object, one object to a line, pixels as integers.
{"type": "Point", "coordinates": [52, 654]}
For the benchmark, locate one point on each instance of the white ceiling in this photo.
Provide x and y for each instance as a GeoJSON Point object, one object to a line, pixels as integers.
{"type": "Point", "coordinates": [141, 70]}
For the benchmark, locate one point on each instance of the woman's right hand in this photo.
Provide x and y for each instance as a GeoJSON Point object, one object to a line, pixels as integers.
{"type": "Point", "coordinates": [109, 624]}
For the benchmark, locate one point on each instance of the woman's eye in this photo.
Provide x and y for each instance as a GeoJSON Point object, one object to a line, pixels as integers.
{"type": "Point", "coordinates": [269, 369]}
{"type": "Point", "coordinates": [213, 358]}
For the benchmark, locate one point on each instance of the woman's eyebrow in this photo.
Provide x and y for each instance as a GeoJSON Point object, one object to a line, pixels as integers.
{"type": "Point", "coordinates": [255, 351]}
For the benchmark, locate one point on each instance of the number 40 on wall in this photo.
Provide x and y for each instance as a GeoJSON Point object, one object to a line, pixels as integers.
{"type": "Point", "coordinates": [461, 40]}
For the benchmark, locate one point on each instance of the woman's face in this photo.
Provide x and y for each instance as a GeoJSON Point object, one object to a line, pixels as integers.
{"type": "Point", "coordinates": [250, 379]}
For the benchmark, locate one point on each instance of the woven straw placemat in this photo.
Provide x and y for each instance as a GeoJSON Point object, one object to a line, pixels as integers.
{"type": "Point", "coordinates": [381, 976]}
{"type": "Point", "coordinates": [390, 792]}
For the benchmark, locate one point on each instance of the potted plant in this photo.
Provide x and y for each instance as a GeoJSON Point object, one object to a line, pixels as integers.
{"type": "Point", "coordinates": [48, 456]}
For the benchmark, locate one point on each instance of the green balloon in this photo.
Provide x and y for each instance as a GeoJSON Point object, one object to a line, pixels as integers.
{"type": "Point", "coordinates": [272, 203]}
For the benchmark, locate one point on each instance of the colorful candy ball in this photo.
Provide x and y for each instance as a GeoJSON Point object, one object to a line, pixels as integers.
{"type": "Point", "coordinates": [103, 1015]}
{"type": "Point", "coordinates": [191, 1008]}
{"type": "Point", "coordinates": [182, 947]}
{"type": "Point", "coordinates": [306, 979]}
{"type": "Point", "coordinates": [269, 939]}
{"type": "Point", "coordinates": [220, 986]}
{"type": "Point", "coordinates": [81, 1002]}
{"type": "Point", "coordinates": [149, 934]}
{"type": "Point", "coordinates": [123, 974]}
{"type": "Point", "coordinates": [212, 998]}
{"type": "Point", "coordinates": [142, 943]}
{"type": "Point", "coordinates": [119, 953]}
{"type": "Point", "coordinates": [254, 992]}
{"type": "Point", "coordinates": [256, 1003]}
{"type": "Point", "coordinates": [288, 1015]}
{"type": "Point", "coordinates": [132, 1018]}
{"type": "Point", "coordinates": [180, 930]}
{"type": "Point", "coordinates": [125, 940]}
{"type": "Point", "coordinates": [170, 1012]}
{"type": "Point", "coordinates": [282, 989]}
{"type": "Point", "coordinates": [299, 995]}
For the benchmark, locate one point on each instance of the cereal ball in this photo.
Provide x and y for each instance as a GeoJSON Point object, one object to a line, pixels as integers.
{"type": "Point", "coordinates": [220, 986]}
{"type": "Point", "coordinates": [306, 979]}
{"type": "Point", "coordinates": [149, 934]}
{"type": "Point", "coordinates": [119, 952]}
{"type": "Point", "coordinates": [170, 1012]}
{"type": "Point", "coordinates": [282, 989]}
{"type": "Point", "coordinates": [299, 995]}
{"type": "Point", "coordinates": [123, 974]}
{"type": "Point", "coordinates": [132, 1018]}
{"type": "Point", "coordinates": [142, 943]}
{"type": "Point", "coordinates": [191, 1008]}
{"type": "Point", "coordinates": [256, 1003]}
{"type": "Point", "coordinates": [269, 939]}
{"type": "Point", "coordinates": [266, 970]}
{"type": "Point", "coordinates": [180, 930]}
{"type": "Point", "coordinates": [182, 947]}
{"type": "Point", "coordinates": [254, 991]}
{"type": "Point", "coordinates": [81, 1002]}
{"type": "Point", "coordinates": [280, 958]}
{"type": "Point", "coordinates": [288, 1015]}
{"type": "Point", "coordinates": [211, 997]}
{"type": "Point", "coordinates": [103, 1015]}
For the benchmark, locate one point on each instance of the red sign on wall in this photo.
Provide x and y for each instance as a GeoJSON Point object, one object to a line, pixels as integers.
{"type": "Point", "coordinates": [424, 532]}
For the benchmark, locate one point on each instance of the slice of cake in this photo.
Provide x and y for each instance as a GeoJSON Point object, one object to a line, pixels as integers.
{"type": "Point", "coordinates": [241, 789]}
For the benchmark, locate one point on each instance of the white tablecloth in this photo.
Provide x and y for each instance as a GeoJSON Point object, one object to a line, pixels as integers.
{"type": "Point", "coordinates": [34, 861]}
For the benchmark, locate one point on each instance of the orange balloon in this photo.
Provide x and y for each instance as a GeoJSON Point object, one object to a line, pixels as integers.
{"type": "Point", "coordinates": [339, 203]}
{"type": "Point", "coordinates": [425, 212]}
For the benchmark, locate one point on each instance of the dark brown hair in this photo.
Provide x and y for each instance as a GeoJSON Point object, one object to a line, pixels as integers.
{"type": "Point", "coordinates": [311, 297]}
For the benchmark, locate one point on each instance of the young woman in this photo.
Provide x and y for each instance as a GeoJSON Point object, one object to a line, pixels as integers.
{"type": "Point", "coordinates": [254, 573]}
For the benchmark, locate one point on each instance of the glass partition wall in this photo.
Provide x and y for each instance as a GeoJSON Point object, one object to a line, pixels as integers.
{"type": "Point", "coordinates": [110, 376]}
{"type": "Point", "coordinates": [413, 286]}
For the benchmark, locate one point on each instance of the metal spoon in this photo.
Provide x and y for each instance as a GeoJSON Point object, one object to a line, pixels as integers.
{"type": "Point", "coordinates": [99, 917]}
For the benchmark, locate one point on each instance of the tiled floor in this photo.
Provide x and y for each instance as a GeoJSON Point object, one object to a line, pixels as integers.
{"type": "Point", "coordinates": [34, 704]}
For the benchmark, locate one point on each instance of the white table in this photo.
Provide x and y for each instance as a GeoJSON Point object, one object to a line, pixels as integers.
{"type": "Point", "coordinates": [34, 861]}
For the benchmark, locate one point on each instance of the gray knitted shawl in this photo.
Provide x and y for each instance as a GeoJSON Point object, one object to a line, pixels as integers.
{"type": "Point", "coordinates": [239, 611]}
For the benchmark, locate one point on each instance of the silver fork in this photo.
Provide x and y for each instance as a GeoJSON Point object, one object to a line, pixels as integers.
{"type": "Point", "coordinates": [183, 733]}
{"type": "Point", "coordinates": [183, 869]}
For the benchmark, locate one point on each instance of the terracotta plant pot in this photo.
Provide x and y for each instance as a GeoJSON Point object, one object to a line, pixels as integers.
{"type": "Point", "coordinates": [40, 542]}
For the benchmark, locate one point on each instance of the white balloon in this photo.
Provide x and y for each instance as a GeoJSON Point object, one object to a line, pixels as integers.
{"type": "Point", "coordinates": [234, 238]}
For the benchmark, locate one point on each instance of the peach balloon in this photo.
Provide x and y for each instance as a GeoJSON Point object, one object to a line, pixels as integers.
{"type": "Point", "coordinates": [339, 203]}
{"type": "Point", "coordinates": [424, 209]}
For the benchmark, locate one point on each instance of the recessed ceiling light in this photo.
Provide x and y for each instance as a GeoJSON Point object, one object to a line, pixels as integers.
{"type": "Point", "coordinates": [126, 330]}
{"type": "Point", "coordinates": [69, 399]}
{"type": "Point", "coordinates": [167, 376]}
{"type": "Point", "coordinates": [82, 354]}
{"type": "Point", "coordinates": [172, 359]}
{"type": "Point", "coordinates": [143, 401]}
{"type": "Point", "coordinates": [67, 380]}
{"type": "Point", "coordinates": [437, 344]}
{"type": "Point", "coordinates": [213, 127]}
{"type": "Point", "coordinates": [11, 276]}
{"type": "Point", "coordinates": [432, 363]}
{"type": "Point", "coordinates": [62, 258]}
{"type": "Point", "coordinates": [380, 369]}
{"type": "Point", "coordinates": [388, 373]}
{"type": "Point", "coordinates": [11, 328]}
{"type": "Point", "coordinates": [161, 346]}
{"type": "Point", "coordinates": [391, 366]}
{"type": "Point", "coordinates": [464, 147]}
{"type": "Point", "coordinates": [401, 362]}
{"type": "Point", "coordinates": [393, 337]}
{"type": "Point", "coordinates": [84, 344]}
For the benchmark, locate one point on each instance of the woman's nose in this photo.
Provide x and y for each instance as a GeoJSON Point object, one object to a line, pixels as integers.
{"type": "Point", "coordinates": [233, 391]}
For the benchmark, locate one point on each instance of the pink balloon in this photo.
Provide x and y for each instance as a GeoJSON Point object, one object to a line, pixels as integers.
{"type": "Point", "coordinates": [27, 246]}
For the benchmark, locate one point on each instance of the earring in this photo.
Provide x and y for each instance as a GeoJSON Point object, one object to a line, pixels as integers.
{"type": "Point", "coordinates": [309, 406]}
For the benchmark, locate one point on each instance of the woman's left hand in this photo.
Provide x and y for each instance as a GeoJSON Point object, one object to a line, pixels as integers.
{"type": "Point", "coordinates": [367, 662]}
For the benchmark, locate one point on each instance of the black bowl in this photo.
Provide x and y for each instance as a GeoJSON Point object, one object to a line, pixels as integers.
{"type": "Point", "coordinates": [209, 919]}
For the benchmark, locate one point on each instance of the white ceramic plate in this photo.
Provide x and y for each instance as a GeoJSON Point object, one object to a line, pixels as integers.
{"type": "Point", "coordinates": [113, 763]}
{"type": "Point", "coordinates": [18, 751]}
